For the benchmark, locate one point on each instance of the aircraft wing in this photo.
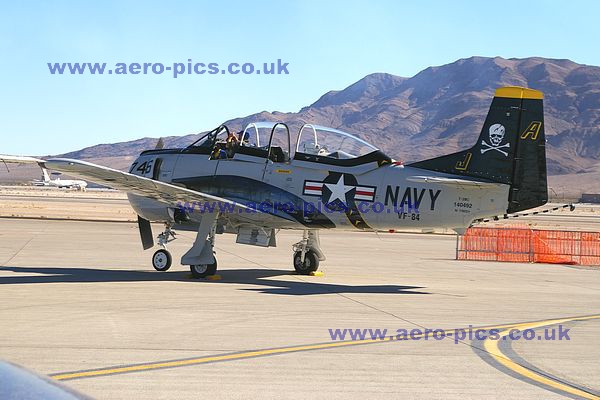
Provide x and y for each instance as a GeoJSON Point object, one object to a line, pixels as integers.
{"type": "Point", "coordinates": [452, 181]}
{"type": "Point", "coordinates": [17, 383]}
{"type": "Point", "coordinates": [170, 194]}
{"type": "Point", "coordinates": [20, 159]}
{"type": "Point", "coordinates": [139, 185]}
{"type": "Point", "coordinates": [164, 192]}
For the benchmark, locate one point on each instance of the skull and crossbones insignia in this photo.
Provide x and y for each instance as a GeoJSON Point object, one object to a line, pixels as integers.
{"type": "Point", "coordinates": [496, 136]}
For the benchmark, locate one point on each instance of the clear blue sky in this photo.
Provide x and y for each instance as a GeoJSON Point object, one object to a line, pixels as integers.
{"type": "Point", "coordinates": [328, 45]}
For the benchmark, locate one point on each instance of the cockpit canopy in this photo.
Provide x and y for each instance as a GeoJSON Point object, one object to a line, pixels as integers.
{"type": "Point", "coordinates": [325, 145]}
{"type": "Point", "coordinates": [209, 140]}
{"type": "Point", "coordinates": [332, 143]}
{"type": "Point", "coordinates": [261, 139]}
{"type": "Point", "coordinates": [314, 143]}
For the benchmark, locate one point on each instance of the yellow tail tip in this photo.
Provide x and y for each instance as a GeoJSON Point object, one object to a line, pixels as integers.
{"type": "Point", "coordinates": [517, 92]}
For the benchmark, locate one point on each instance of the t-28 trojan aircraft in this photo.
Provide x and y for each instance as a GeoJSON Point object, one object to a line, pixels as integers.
{"type": "Point", "coordinates": [254, 185]}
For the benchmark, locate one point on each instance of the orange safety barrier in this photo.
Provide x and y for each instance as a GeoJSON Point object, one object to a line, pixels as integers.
{"type": "Point", "coordinates": [523, 244]}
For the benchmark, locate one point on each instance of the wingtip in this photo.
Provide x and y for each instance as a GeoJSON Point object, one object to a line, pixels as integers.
{"type": "Point", "coordinates": [20, 159]}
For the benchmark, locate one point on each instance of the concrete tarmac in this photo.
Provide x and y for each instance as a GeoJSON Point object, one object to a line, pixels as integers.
{"type": "Point", "coordinates": [81, 302]}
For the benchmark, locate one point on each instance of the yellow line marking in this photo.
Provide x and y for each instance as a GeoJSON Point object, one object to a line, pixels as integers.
{"type": "Point", "coordinates": [283, 350]}
{"type": "Point", "coordinates": [491, 346]}
{"type": "Point", "coordinates": [225, 357]}
{"type": "Point", "coordinates": [203, 360]}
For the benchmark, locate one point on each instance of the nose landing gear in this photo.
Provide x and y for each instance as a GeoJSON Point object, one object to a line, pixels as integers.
{"type": "Point", "coordinates": [162, 260]}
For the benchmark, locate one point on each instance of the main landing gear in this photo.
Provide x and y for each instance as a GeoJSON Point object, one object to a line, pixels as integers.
{"type": "Point", "coordinates": [203, 270]}
{"type": "Point", "coordinates": [307, 253]}
{"type": "Point", "coordinates": [200, 258]}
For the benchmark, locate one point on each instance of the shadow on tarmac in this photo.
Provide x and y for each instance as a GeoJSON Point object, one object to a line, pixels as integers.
{"type": "Point", "coordinates": [258, 277]}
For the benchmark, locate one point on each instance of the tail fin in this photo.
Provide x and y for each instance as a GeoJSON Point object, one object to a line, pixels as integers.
{"type": "Point", "coordinates": [45, 175]}
{"type": "Point", "coordinates": [511, 149]}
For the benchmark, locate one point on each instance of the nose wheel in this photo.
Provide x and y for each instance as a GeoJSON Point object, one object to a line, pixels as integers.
{"type": "Point", "coordinates": [161, 260]}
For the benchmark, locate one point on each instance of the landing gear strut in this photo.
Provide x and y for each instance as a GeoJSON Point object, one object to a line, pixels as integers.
{"type": "Point", "coordinates": [307, 253]}
{"type": "Point", "coordinates": [201, 257]}
{"type": "Point", "coordinates": [161, 260]}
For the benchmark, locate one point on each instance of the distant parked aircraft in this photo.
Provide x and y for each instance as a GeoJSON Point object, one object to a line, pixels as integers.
{"type": "Point", "coordinates": [46, 180]}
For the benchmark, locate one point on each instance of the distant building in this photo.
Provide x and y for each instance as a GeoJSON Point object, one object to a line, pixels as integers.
{"type": "Point", "coordinates": [590, 198]}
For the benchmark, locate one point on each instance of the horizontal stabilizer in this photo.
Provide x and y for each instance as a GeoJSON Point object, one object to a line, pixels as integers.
{"type": "Point", "coordinates": [450, 181]}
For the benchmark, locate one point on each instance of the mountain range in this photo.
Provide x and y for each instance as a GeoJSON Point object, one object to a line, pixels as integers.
{"type": "Point", "coordinates": [437, 111]}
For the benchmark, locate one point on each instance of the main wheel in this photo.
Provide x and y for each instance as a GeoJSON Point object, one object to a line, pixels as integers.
{"type": "Point", "coordinates": [161, 260]}
{"type": "Point", "coordinates": [203, 270]}
{"type": "Point", "coordinates": [310, 264]}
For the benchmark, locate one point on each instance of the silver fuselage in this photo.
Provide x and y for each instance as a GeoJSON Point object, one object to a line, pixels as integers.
{"type": "Point", "coordinates": [387, 197]}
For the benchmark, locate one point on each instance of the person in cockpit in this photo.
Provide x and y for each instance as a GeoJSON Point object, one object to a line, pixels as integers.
{"type": "Point", "coordinates": [218, 153]}
{"type": "Point", "coordinates": [231, 143]}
